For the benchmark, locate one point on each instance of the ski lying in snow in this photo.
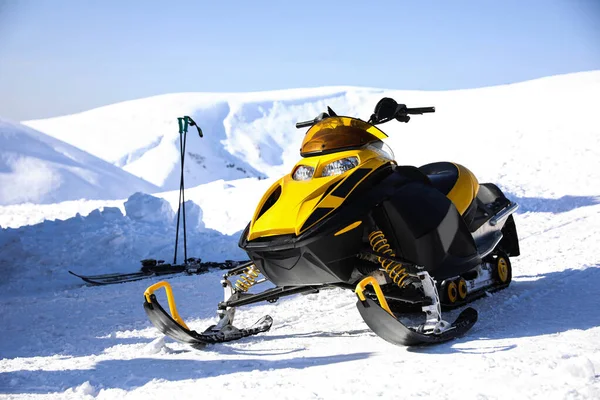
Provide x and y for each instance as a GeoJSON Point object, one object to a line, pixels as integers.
{"type": "Point", "coordinates": [113, 278]}
{"type": "Point", "coordinates": [151, 268]}
{"type": "Point", "coordinates": [168, 326]}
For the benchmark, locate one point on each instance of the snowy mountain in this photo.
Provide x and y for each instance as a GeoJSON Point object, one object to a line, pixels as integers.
{"type": "Point", "coordinates": [538, 140]}
{"type": "Point", "coordinates": [253, 134]}
{"type": "Point", "coordinates": [38, 168]}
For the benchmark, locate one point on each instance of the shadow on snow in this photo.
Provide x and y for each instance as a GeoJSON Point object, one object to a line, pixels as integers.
{"type": "Point", "coordinates": [129, 374]}
{"type": "Point", "coordinates": [545, 304]}
{"type": "Point", "coordinates": [560, 205]}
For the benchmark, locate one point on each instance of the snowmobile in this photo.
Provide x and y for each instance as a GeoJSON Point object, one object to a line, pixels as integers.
{"type": "Point", "coordinates": [408, 241]}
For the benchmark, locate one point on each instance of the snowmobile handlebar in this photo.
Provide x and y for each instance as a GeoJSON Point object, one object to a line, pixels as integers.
{"type": "Point", "coordinates": [305, 124]}
{"type": "Point", "coordinates": [385, 110]}
{"type": "Point", "coordinates": [420, 110]}
{"type": "Point", "coordinates": [388, 109]}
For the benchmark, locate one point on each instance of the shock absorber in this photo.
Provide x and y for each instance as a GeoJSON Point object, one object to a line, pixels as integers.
{"type": "Point", "coordinates": [248, 279]}
{"type": "Point", "coordinates": [394, 269]}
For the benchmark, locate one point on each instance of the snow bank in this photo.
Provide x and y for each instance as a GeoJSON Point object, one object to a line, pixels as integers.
{"type": "Point", "coordinates": [143, 208]}
{"type": "Point", "coordinates": [105, 241]}
{"type": "Point", "coordinates": [38, 168]}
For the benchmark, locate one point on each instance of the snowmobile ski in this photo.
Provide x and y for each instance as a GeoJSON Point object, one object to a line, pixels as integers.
{"type": "Point", "coordinates": [174, 326]}
{"type": "Point", "coordinates": [384, 323]}
{"type": "Point", "coordinates": [395, 332]}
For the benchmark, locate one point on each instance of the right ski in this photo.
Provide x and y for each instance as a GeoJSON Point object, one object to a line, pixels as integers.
{"type": "Point", "coordinates": [395, 332]}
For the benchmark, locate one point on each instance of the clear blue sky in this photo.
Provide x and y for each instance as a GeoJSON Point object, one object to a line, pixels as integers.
{"type": "Point", "coordinates": [64, 56]}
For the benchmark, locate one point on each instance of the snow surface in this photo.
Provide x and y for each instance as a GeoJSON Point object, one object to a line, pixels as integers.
{"type": "Point", "coordinates": [37, 168]}
{"type": "Point", "coordinates": [540, 338]}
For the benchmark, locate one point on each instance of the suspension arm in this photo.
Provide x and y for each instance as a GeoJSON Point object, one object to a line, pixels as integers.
{"type": "Point", "coordinates": [270, 294]}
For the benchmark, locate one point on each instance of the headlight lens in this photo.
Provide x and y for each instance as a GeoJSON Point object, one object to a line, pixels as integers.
{"type": "Point", "coordinates": [382, 149]}
{"type": "Point", "coordinates": [340, 166]}
{"type": "Point", "coordinates": [303, 173]}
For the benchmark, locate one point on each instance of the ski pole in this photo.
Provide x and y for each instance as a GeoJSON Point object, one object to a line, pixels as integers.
{"type": "Point", "coordinates": [183, 123]}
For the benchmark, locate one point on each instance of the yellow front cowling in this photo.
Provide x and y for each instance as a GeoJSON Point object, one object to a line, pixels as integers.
{"type": "Point", "coordinates": [299, 199]}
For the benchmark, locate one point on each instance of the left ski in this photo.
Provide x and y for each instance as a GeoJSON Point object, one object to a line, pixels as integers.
{"type": "Point", "coordinates": [168, 326]}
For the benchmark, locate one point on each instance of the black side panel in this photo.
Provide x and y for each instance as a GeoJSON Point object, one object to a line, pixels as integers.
{"type": "Point", "coordinates": [425, 227]}
{"type": "Point", "coordinates": [510, 240]}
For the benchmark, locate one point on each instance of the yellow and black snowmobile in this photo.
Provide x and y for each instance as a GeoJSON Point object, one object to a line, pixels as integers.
{"type": "Point", "coordinates": [407, 240]}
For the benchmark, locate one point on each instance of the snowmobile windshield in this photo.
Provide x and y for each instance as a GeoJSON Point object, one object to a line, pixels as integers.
{"type": "Point", "coordinates": [339, 133]}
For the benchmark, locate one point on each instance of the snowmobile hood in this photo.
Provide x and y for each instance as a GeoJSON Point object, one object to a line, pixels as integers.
{"type": "Point", "coordinates": [339, 133]}
{"type": "Point", "coordinates": [292, 206]}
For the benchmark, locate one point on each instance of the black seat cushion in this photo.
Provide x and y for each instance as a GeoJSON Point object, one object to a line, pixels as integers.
{"type": "Point", "coordinates": [443, 175]}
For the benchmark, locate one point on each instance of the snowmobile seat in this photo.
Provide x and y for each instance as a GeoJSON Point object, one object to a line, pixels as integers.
{"type": "Point", "coordinates": [456, 182]}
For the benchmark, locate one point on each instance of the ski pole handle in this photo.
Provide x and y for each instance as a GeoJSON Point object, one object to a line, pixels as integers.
{"type": "Point", "coordinates": [193, 123]}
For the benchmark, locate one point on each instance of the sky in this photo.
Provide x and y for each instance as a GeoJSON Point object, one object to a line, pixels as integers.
{"type": "Point", "coordinates": [65, 56]}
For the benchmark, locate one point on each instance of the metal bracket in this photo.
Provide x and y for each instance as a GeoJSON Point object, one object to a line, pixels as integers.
{"type": "Point", "coordinates": [434, 322]}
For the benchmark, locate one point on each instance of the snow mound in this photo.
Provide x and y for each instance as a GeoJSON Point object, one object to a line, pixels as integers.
{"type": "Point", "coordinates": [38, 168]}
{"type": "Point", "coordinates": [145, 208]}
{"type": "Point", "coordinates": [105, 241]}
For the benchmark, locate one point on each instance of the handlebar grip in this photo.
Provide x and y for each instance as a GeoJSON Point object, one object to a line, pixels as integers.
{"type": "Point", "coordinates": [304, 124]}
{"type": "Point", "coordinates": [420, 110]}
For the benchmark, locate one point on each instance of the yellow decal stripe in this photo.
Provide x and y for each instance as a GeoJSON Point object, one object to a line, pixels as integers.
{"type": "Point", "coordinates": [348, 228]}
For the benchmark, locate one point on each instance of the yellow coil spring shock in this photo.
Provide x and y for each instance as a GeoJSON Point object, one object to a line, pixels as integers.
{"type": "Point", "coordinates": [248, 279]}
{"type": "Point", "coordinates": [394, 269]}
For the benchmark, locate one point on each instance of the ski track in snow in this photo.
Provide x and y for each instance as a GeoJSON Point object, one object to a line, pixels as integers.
{"type": "Point", "coordinates": [539, 338]}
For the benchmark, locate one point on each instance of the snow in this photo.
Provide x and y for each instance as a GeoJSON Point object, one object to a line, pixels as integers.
{"type": "Point", "coordinates": [37, 168]}
{"type": "Point", "coordinates": [255, 131]}
{"type": "Point", "coordinates": [107, 241]}
{"type": "Point", "coordinates": [537, 339]}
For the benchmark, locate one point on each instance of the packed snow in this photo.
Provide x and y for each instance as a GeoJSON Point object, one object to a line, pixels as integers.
{"type": "Point", "coordinates": [37, 168]}
{"type": "Point", "coordinates": [539, 338]}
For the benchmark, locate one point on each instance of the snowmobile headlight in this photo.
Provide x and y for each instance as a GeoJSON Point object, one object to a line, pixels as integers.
{"type": "Point", "coordinates": [340, 166]}
{"type": "Point", "coordinates": [303, 173]}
